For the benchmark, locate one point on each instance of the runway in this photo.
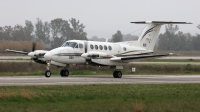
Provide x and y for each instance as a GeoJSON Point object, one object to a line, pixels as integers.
{"type": "Point", "coordinates": [97, 79]}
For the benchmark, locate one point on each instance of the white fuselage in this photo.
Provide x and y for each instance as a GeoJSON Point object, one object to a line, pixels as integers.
{"type": "Point", "coordinates": [79, 51]}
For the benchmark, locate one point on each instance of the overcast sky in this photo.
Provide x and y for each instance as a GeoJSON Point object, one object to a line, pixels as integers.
{"type": "Point", "coordinates": [103, 18]}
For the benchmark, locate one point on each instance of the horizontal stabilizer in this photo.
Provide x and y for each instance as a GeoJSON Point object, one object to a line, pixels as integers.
{"type": "Point", "coordinates": [160, 22]}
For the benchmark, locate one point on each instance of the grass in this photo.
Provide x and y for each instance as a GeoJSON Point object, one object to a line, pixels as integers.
{"type": "Point", "coordinates": [41, 73]}
{"type": "Point", "coordinates": [34, 69]}
{"type": "Point", "coordinates": [106, 98]}
{"type": "Point", "coordinates": [179, 53]}
{"type": "Point", "coordinates": [171, 60]}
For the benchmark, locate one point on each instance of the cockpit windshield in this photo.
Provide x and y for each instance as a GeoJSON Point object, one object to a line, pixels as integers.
{"type": "Point", "coordinates": [72, 44]}
{"type": "Point", "coordinates": [69, 44]}
{"type": "Point", "coordinates": [65, 44]}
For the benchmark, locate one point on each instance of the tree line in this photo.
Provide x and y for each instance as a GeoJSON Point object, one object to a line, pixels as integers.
{"type": "Point", "coordinates": [171, 40]}
{"type": "Point", "coordinates": [174, 40]}
{"type": "Point", "coordinates": [58, 31]}
{"type": "Point", "coordinates": [54, 32]}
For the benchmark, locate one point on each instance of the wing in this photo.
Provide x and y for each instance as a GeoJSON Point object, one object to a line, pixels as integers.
{"type": "Point", "coordinates": [132, 58]}
{"type": "Point", "coordinates": [14, 51]}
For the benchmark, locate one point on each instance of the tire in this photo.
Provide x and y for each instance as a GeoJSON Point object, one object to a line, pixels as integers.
{"type": "Point", "coordinates": [64, 73]}
{"type": "Point", "coordinates": [61, 73]}
{"type": "Point", "coordinates": [48, 73]}
{"type": "Point", "coordinates": [119, 74]}
{"type": "Point", "coordinates": [114, 74]}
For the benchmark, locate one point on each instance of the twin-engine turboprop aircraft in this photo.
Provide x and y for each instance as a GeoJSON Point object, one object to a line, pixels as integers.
{"type": "Point", "coordinates": [106, 53]}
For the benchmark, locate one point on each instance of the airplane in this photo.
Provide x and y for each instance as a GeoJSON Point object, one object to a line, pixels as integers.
{"type": "Point", "coordinates": [115, 55]}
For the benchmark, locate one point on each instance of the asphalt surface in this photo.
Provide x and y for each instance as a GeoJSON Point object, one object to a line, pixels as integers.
{"type": "Point", "coordinates": [97, 79]}
{"type": "Point", "coordinates": [100, 79]}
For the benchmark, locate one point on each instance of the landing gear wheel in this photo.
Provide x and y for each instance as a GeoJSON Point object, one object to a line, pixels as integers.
{"type": "Point", "coordinates": [47, 73]}
{"type": "Point", "coordinates": [61, 72]}
{"type": "Point", "coordinates": [114, 74]}
{"type": "Point", "coordinates": [64, 73]}
{"type": "Point", "coordinates": [117, 74]}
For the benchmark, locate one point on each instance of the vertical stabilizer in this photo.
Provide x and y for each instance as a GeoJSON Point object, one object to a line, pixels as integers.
{"type": "Point", "coordinates": [150, 33]}
{"type": "Point", "coordinates": [149, 36]}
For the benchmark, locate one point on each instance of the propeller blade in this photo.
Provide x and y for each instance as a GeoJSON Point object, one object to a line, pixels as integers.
{"type": "Point", "coordinates": [34, 46]}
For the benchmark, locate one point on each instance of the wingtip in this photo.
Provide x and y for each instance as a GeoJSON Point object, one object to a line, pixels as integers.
{"type": "Point", "coordinates": [189, 23]}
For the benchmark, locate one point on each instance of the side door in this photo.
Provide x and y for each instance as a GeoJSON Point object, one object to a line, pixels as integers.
{"type": "Point", "coordinates": [117, 49]}
{"type": "Point", "coordinates": [78, 51]}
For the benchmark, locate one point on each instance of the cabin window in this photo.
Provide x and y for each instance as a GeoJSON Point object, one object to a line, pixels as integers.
{"type": "Point", "coordinates": [80, 45]}
{"type": "Point", "coordinates": [96, 47]}
{"type": "Point", "coordinates": [91, 46]}
{"type": "Point", "coordinates": [124, 48]}
{"type": "Point", "coordinates": [100, 47]}
{"type": "Point", "coordinates": [105, 47]}
{"type": "Point", "coordinates": [110, 48]}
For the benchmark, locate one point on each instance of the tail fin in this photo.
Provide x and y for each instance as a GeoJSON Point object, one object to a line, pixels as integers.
{"type": "Point", "coordinates": [150, 33]}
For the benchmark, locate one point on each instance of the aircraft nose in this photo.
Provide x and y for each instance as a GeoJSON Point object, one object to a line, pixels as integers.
{"type": "Point", "coordinates": [47, 56]}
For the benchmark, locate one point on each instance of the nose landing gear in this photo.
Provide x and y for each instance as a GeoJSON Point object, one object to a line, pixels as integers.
{"type": "Point", "coordinates": [48, 72]}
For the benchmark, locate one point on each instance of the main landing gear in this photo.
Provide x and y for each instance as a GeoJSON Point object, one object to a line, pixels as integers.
{"type": "Point", "coordinates": [117, 74]}
{"type": "Point", "coordinates": [64, 73]}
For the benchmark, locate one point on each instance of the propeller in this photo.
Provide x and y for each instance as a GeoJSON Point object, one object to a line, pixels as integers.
{"type": "Point", "coordinates": [33, 49]}
{"type": "Point", "coordinates": [37, 55]}
{"type": "Point", "coordinates": [33, 46]}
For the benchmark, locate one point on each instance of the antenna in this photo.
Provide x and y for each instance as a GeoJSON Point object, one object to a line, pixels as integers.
{"type": "Point", "coordinates": [107, 40]}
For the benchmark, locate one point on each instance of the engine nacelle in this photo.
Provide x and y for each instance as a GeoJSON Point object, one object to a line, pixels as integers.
{"type": "Point", "coordinates": [39, 60]}
{"type": "Point", "coordinates": [37, 53]}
